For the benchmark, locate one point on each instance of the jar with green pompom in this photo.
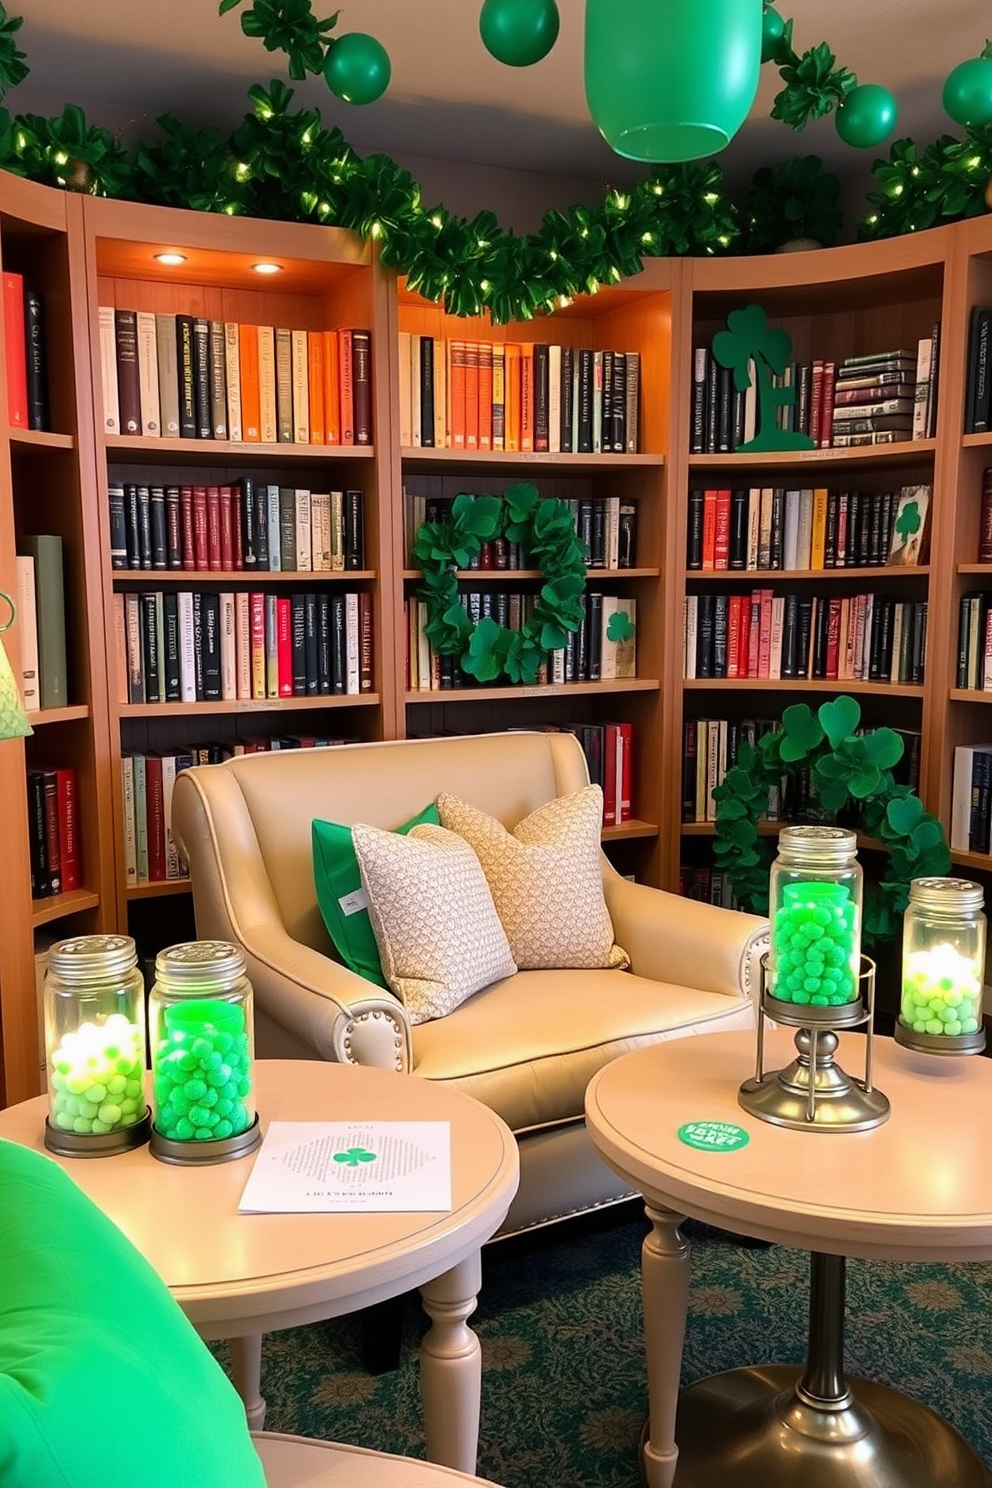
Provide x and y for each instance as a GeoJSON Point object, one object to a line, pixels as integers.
{"type": "Point", "coordinates": [943, 967]}
{"type": "Point", "coordinates": [814, 904]}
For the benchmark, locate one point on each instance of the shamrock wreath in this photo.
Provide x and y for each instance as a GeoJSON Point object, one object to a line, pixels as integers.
{"type": "Point", "coordinates": [544, 529]}
{"type": "Point", "coordinates": [844, 767]}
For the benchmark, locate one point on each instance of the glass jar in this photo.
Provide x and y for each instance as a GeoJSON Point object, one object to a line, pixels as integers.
{"type": "Point", "coordinates": [814, 905]}
{"type": "Point", "coordinates": [95, 1047]}
{"type": "Point", "coordinates": [943, 966]}
{"type": "Point", "coordinates": [201, 1036]}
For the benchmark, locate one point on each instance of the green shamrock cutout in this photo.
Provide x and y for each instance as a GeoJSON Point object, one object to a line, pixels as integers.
{"type": "Point", "coordinates": [909, 520]}
{"type": "Point", "coordinates": [802, 730]}
{"type": "Point", "coordinates": [840, 717]}
{"type": "Point", "coordinates": [353, 1156]}
{"type": "Point", "coordinates": [620, 627]}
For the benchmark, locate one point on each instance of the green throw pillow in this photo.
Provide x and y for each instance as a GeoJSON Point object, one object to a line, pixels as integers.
{"type": "Point", "coordinates": [102, 1378]}
{"type": "Point", "coordinates": [342, 898]}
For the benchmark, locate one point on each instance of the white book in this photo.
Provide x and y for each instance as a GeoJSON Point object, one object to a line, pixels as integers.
{"type": "Point", "coordinates": [173, 867]}
{"type": "Point", "coordinates": [120, 649]}
{"type": "Point", "coordinates": [27, 631]}
{"type": "Point", "coordinates": [964, 759]}
{"type": "Point", "coordinates": [352, 641]}
{"type": "Point", "coordinates": [128, 824]}
{"type": "Point", "coordinates": [425, 678]}
{"type": "Point", "coordinates": [775, 638]}
{"type": "Point", "coordinates": [702, 753]}
{"type": "Point", "coordinates": [753, 527]}
{"type": "Point", "coordinates": [921, 399]}
{"type": "Point", "coordinates": [187, 654]}
{"type": "Point", "coordinates": [242, 644]}
{"type": "Point", "coordinates": [148, 374]}
{"type": "Point", "coordinates": [412, 680]}
{"type": "Point", "coordinates": [691, 640]}
{"type": "Point", "coordinates": [557, 668]}
{"type": "Point", "coordinates": [228, 649]}
{"type": "Point", "coordinates": [804, 531]}
{"type": "Point", "coordinates": [108, 370]}
{"type": "Point", "coordinates": [232, 371]}
{"type": "Point", "coordinates": [336, 531]}
{"type": "Point", "coordinates": [415, 431]}
{"type": "Point", "coordinates": [273, 528]}
{"type": "Point", "coordinates": [897, 627]}
{"type": "Point", "coordinates": [320, 531]}
{"type": "Point", "coordinates": [790, 531]}
{"type": "Point", "coordinates": [612, 543]}
{"type": "Point", "coordinates": [301, 387]}
{"type": "Point", "coordinates": [554, 401]}
{"type": "Point", "coordinates": [304, 554]}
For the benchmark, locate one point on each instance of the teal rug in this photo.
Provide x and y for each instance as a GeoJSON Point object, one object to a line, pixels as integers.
{"type": "Point", "coordinates": [564, 1394]}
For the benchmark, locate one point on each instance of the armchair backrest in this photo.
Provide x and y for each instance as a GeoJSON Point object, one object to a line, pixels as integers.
{"type": "Point", "coordinates": [244, 826]}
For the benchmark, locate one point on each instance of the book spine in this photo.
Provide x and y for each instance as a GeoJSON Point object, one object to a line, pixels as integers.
{"type": "Point", "coordinates": [346, 386]}
{"type": "Point", "coordinates": [108, 370]}
{"type": "Point", "coordinates": [186, 377]}
{"type": "Point", "coordinates": [201, 377]}
{"type": "Point", "coordinates": [284, 384]}
{"type": "Point", "coordinates": [37, 360]}
{"type": "Point", "coordinates": [128, 383]}
{"type": "Point", "coordinates": [15, 351]}
{"type": "Point", "coordinates": [267, 396]}
{"type": "Point", "coordinates": [300, 358]}
{"type": "Point", "coordinates": [217, 372]}
{"type": "Point", "coordinates": [361, 358]}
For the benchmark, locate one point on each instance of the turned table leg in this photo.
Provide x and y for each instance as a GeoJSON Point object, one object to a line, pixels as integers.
{"type": "Point", "coordinates": [246, 1367]}
{"type": "Point", "coordinates": [665, 1286]}
{"type": "Point", "coordinates": [451, 1367]}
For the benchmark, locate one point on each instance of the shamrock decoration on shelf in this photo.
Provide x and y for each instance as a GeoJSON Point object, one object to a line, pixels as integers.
{"type": "Point", "coordinates": [750, 343]}
{"type": "Point", "coordinates": [544, 529]}
{"type": "Point", "coordinates": [909, 520]}
{"type": "Point", "coordinates": [620, 628]}
{"type": "Point", "coordinates": [352, 1157]}
{"type": "Point", "coordinates": [845, 767]}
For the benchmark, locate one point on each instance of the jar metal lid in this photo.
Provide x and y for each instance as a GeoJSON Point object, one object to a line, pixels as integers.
{"type": "Point", "coordinates": [196, 965]}
{"type": "Point", "coordinates": [817, 846]}
{"type": "Point", "coordinates": [946, 895]}
{"type": "Point", "coordinates": [92, 958]}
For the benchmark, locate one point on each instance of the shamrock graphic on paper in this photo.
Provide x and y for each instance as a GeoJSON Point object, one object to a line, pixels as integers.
{"type": "Point", "coordinates": [620, 627]}
{"type": "Point", "coordinates": [909, 521]}
{"type": "Point", "coordinates": [353, 1156]}
{"type": "Point", "coordinates": [908, 529]}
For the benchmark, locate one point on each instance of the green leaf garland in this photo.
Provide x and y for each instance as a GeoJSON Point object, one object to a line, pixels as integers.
{"type": "Point", "coordinates": [544, 529]}
{"type": "Point", "coordinates": [844, 767]}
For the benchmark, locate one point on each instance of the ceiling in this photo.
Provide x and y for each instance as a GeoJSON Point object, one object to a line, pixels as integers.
{"type": "Point", "coordinates": [126, 61]}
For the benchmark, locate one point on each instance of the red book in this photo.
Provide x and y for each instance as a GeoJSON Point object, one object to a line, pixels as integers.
{"type": "Point", "coordinates": [226, 528]}
{"type": "Point", "coordinates": [201, 541]}
{"type": "Point", "coordinates": [237, 534]}
{"type": "Point", "coordinates": [612, 769]}
{"type": "Point", "coordinates": [709, 529]}
{"type": "Point", "coordinates": [827, 406]}
{"type": "Point", "coordinates": [15, 350]}
{"type": "Point", "coordinates": [734, 635]}
{"type": "Point", "coordinates": [53, 840]}
{"type": "Point", "coordinates": [843, 504]}
{"type": "Point", "coordinates": [186, 507]}
{"type": "Point", "coordinates": [214, 559]}
{"type": "Point", "coordinates": [155, 815]}
{"type": "Point", "coordinates": [526, 397]}
{"type": "Point", "coordinates": [365, 663]}
{"type": "Point", "coordinates": [284, 645]}
{"type": "Point", "coordinates": [626, 772]}
{"type": "Point", "coordinates": [833, 637]}
{"type": "Point", "coordinates": [721, 532]}
{"type": "Point", "coordinates": [764, 632]}
{"type": "Point", "coordinates": [68, 828]}
{"type": "Point", "coordinates": [754, 633]}
{"type": "Point", "coordinates": [346, 386]}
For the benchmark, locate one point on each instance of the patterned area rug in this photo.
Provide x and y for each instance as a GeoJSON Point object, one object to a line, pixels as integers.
{"type": "Point", "coordinates": [564, 1391]}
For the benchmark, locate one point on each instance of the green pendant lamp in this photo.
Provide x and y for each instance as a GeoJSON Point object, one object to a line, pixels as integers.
{"type": "Point", "coordinates": [671, 80]}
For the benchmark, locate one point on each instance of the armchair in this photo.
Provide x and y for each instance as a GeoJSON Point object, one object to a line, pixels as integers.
{"type": "Point", "coordinates": [525, 1046]}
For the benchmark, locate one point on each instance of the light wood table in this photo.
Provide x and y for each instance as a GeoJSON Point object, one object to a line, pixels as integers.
{"type": "Point", "coordinates": [238, 1276]}
{"type": "Point", "coordinates": [918, 1188]}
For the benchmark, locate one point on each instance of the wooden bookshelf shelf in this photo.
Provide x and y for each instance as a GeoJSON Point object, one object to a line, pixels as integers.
{"type": "Point", "coordinates": [776, 575]}
{"type": "Point", "coordinates": [512, 461]}
{"type": "Point", "coordinates": [146, 451]}
{"type": "Point", "coordinates": [629, 829]}
{"type": "Point", "coordinates": [44, 911]}
{"type": "Point", "coordinates": [910, 451]}
{"type": "Point", "coordinates": [160, 889]}
{"type": "Point", "coordinates": [801, 684]}
{"type": "Point", "coordinates": [551, 690]}
{"type": "Point", "coordinates": [324, 704]}
{"type": "Point", "coordinates": [962, 859]}
{"type": "Point", "coordinates": [46, 716]}
{"type": "Point", "coordinates": [975, 568]}
{"type": "Point", "coordinates": [968, 695]}
{"type": "Point", "coordinates": [510, 575]}
{"type": "Point", "coordinates": [253, 578]}
{"type": "Point", "coordinates": [31, 441]}
{"type": "Point", "coordinates": [977, 441]}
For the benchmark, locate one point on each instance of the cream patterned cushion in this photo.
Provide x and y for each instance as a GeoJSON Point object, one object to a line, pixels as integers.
{"type": "Point", "coordinates": [435, 923]}
{"type": "Point", "coordinates": [546, 879]}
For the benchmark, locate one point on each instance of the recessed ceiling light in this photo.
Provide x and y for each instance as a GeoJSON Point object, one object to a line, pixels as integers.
{"type": "Point", "coordinates": [171, 258]}
{"type": "Point", "coordinates": [267, 268]}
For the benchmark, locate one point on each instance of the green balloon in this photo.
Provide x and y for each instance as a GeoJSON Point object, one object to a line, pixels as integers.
{"type": "Point", "coordinates": [867, 116]}
{"type": "Point", "coordinates": [519, 32]}
{"type": "Point", "coordinates": [968, 92]}
{"type": "Point", "coordinates": [772, 29]}
{"type": "Point", "coordinates": [357, 68]}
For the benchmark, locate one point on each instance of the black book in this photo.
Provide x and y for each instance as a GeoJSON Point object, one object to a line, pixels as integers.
{"type": "Point", "coordinates": [170, 647]}
{"type": "Point", "coordinates": [583, 433]}
{"type": "Point", "coordinates": [133, 525]}
{"type": "Point", "coordinates": [964, 628]}
{"type": "Point", "coordinates": [298, 632]}
{"type": "Point", "coordinates": [567, 374]}
{"type": "Point", "coordinates": [154, 688]}
{"type": "Point", "coordinates": [41, 887]}
{"type": "Point", "coordinates": [694, 530]}
{"type": "Point", "coordinates": [918, 668]}
{"type": "Point", "coordinates": [582, 641]}
{"type": "Point", "coordinates": [790, 635]}
{"type": "Point", "coordinates": [776, 550]}
{"type": "Point", "coordinates": [427, 391]}
{"type": "Point", "coordinates": [128, 391]}
{"type": "Point", "coordinates": [160, 551]}
{"type": "Point", "coordinates": [145, 526]}
{"type": "Point", "coordinates": [721, 611]}
{"type": "Point", "coordinates": [979, 371]}
{"type": "Point", "coordinates": [887, 619]}
{"type": "Point", "coordinates": [118, 526]}
{"type": "Point", "coordinates": [605, 400]}
{"type": "Point", "coordinates": [627, 544]}
{"type": "Point", "coordinates": [725, 416]}
{"type": "Point", "coordinates": [712, 427]}
{"type": "Point", "coordinates": [217, 378]}
{"type": "Point", "coordinates": [248, 496]}
{"type": "Point", "coordinates": [804, 395]}
{"type": "Point", "coordinates": [584, 527]}
{"type": "Point", "coordinates": [737, 419]}
{"type": "Point", "coordinates": [287, 529]}
{"type": "Point", "coordinates": [542, 354]}
{"type": "Point", "coordinates": [821, 629]}
{"type": "Point", "coordinates": [201, 377]}
{"type": "Point", "coordinates": [37, 365]}
{"type": "Point", "coordinates": [887, 505]}
{"type": "Point", "coordinates": [697, 418]}
{"type": "Point", "coordinates": [311, 643]}
{"type": "Point", "coordinates": [982, 822]}
{"type": "Point", "coordinates": [198, 644]}
{"type": "Point", "coordinates": [185, 376]}
{"type": "Point", "coordinates": [804, 625]}
{"type": "Point", "coordinates": [597, 546]}
{"type": "Point", "coordinates": [595, 640]}
{"type": "Point", "coordinates": [339, 650]}
{"type": "Point", "coordinates": [354, 531]}
{"type": "Point", "coordinates": [591, 737]}
{"type": "Point", "coordinates": [173, 528]}
{"type": "Point", "coordinates": [210, 642]}
{"type": "Point", "coordinates": [738, 530]}
{"type": "Point", "coordinates": [830, 530]}
{"type": "Point", "coordinates": [323, 644]}
{"type": "Point", "coordinates": [875, 640]}
{"type": "Point", "coordinates": [262, 525]}
{"type": "Point", "coordinates": [618, 405]}
{"type": "Point", "coordinates": [705, 610]}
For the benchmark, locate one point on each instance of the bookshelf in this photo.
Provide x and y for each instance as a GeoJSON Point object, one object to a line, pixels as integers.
{"type": "Point", "coordinates": [84, 252]}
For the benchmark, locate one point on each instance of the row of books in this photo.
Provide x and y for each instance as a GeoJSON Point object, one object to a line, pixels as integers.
{"type": "Point", "coordinates": [978, 387]}
{"type": "Point", "coordinates": [41, 622]}
{"type": "Point", "coordinates": [187, 377]}
{"type": "Point", "coordinates": [245, 525]}
{"type": "Point", "coordinates": [867, 637]}
{"type": "Point", "coordinates": [591, 655]}
{"type": "Point", "coordinates": [53, 831]}
{"type": "Point", "coordinates": [974, 670]}
{"type": "Point", "coordinates": [191, 647]}
{"type": "Point", "coordinates": [25, 355]}
{"type": "Point", "coordinates": [710, 885]}
{"type": "Point", "coordinates": [711, 746]}
{"type": "Point", "coordinates": [878, 398]}
{"type": "Point", "coordinates": [606, 526]}
{"type": "Point", "coordinates": [971, 799]}
{"type": "Point", "coordinates": [771, 528]}
{"type": "Point", "coordinates": [608, 748]}
{"type": "Point", "coordinates": [516, 397]}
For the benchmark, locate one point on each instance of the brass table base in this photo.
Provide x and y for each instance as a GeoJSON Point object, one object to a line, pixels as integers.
{"type": "Point", "coordinates": [752, 1428]}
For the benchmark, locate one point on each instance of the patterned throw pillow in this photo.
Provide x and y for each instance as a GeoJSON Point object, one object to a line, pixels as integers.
{"type": "Point", "coordinates": [546, 879]}
{"type": "Point", "coordinates": [435, 923]}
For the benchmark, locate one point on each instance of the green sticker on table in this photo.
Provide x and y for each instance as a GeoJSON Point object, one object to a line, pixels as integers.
{"type": "Point", "coordinates": [713, 1136]}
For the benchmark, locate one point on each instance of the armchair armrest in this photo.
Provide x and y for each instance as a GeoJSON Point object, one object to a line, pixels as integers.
{"type": "Point", "coordinates": [672, 939]}
{"type": "Point", "coordinates": [339, 1015]}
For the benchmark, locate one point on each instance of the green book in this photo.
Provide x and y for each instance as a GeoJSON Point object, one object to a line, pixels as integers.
{"type": "Point", "coordinates": [46, 550]}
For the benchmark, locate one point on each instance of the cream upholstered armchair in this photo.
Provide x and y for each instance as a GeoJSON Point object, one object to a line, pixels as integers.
{"type": "Point", "coordinates": [527, 1045]}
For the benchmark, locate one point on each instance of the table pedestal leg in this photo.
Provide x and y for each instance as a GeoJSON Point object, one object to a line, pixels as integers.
{"type": "Point", "coordinates": [778, 1426]}
{"type": "Point", "coordinates": [665, 1285]}
{"type": "Point", "coordinates": [451, 1367]}
{"type": "Point", "coordinates": [246, 1367]}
